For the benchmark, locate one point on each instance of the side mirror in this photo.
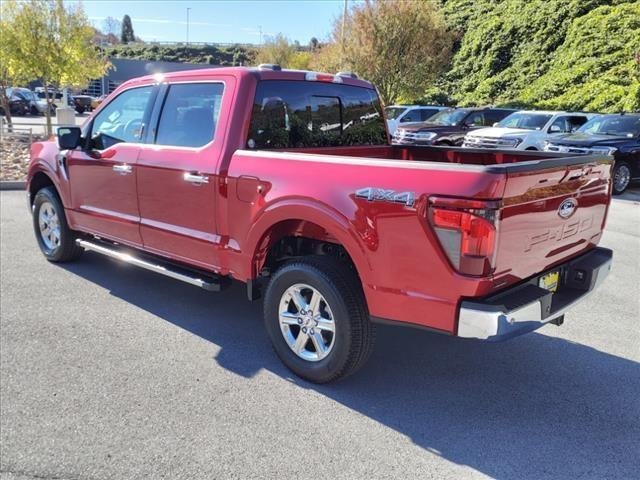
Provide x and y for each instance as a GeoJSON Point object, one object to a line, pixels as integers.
{"type": "Point", "coordinates": [69, 137]}
{"type": "Point", "coordinates": [496, 124]}
{"type": "Point", "coordinates": [555, 129]}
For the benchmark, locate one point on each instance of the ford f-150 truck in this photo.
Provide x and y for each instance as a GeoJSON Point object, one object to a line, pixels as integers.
{"type": "Point", "coordinates": [287, 181]}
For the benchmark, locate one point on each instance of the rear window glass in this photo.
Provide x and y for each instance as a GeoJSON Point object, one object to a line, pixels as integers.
{"type": "Point", "coordinates": [298, 114]}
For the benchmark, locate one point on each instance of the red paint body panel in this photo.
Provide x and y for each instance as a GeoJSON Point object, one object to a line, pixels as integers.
{"type": "Point", "coordinates": [105, 201]}
{"type": "Point", "coordinates": [255, 197]}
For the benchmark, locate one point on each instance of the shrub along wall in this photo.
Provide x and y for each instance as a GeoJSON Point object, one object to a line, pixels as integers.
{"type": "Point", "coordinates": [565, 54]}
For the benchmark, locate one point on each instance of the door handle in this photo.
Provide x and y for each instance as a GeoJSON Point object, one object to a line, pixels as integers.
{"type": "Point", "coordinates": [123, 169]}
{"type": "Point", "coordinates": [195, 179]}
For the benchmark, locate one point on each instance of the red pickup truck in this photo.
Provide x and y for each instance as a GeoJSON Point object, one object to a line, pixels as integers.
{"type": "Point", "coordinates": [287, 181]}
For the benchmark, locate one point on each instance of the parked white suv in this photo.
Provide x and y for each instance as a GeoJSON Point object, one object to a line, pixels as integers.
{"type": "Point", "coordinates": [406, 114]}
{"type": "Point", "coordinates": [526, 130]}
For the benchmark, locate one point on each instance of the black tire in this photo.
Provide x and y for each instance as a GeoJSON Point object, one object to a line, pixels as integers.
{"type": "Point", "coordinates": [66, 249]}
{"type": "Point", "coordinates": [341, 289]}
{"type": "Point", "coordinates": [620, 177]}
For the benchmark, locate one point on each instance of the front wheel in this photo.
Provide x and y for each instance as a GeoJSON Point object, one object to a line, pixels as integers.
{"type": "Point", "coordinates": [55, 239]}
{"type": "Point", "coordinates": [621, 177]}
{"type": "Point", "coordinates": [316, 317]}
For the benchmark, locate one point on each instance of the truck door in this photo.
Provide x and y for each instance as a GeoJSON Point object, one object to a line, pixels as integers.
{"type": "Point", "coordinates": [103, 176]}
{"type": "Point", "coordinates": [177, 174]}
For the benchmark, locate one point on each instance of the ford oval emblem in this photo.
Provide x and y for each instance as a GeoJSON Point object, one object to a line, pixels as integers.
{"type": "Point", "coordinates": [567, 208]}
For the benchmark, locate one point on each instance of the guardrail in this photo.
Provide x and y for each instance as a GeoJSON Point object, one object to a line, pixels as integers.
{"type": "Point", "coordinates": [20, 128]}
{"type": "Point", "coordinates": [16, 134]}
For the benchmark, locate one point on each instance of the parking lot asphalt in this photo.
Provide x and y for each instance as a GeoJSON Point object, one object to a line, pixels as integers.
{"type": "Point", "coordinates": [111, 372]}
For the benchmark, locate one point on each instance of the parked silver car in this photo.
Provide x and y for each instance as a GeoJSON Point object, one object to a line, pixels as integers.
{"type": "Point", "coordinates": [37, 106]}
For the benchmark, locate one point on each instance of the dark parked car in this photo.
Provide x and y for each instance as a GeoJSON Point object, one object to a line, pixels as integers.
{"type": "Point", "coordinates": [37, 105]}
{"type": "Point", "coordinates": [17, 104]}
{"type": "Point", "coordinates": [449, 127]}
{"type": "Point", "coordinates": [82, 103]}
{"type": "Point", "coordinates": [617, 135]}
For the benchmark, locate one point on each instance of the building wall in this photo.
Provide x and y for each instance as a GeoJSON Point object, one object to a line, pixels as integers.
{"type": "Point", "coordinates": [125, 69]}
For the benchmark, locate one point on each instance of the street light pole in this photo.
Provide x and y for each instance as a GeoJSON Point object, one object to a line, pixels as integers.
{"type": "Point", "coordinates": [188, 8]}
{"type": "Point", "coordinates": [344, 19]}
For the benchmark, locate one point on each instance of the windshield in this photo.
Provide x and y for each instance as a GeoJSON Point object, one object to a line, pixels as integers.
{"type": "Point", "coordinates": [619, 125]}
{"type": "Point", "coordinates": [449, 117]}
{"type": "Point", "coordinates": [393, 112]}
{"type": "Point", "coordinates": [525, 121]}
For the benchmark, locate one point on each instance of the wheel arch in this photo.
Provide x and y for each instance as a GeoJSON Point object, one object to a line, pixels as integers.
{"type": "Point", "coordinates": [38, 181]}
{"type": "Point", "coordinates": [319, 224]}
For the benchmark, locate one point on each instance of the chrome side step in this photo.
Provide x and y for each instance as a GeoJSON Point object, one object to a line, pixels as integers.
{"type": "Point", "coordinates": [212, 283]}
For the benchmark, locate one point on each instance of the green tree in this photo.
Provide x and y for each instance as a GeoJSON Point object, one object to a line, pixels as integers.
{"type": "Point", "coordinates": [127, 34]}
{"type": "Point", "coordinates": [276, 50]}
{"type": "Point", "coordinates": [10, 68]}
{"type": "Point", "coordinates": [401, 47]}
{"type": "Point", "coordinates": [53, 45]}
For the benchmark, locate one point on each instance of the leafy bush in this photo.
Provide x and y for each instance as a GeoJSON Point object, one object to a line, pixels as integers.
{"type": "Point", "coordinates": [206, 54]}
{"type": "Point", "coordinates": [571, 54]}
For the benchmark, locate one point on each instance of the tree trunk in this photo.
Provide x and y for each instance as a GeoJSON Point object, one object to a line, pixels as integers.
{"type": "Point", "coordinates": [7, 109]}
{"type": "Point", "coordinates": [47, 112]}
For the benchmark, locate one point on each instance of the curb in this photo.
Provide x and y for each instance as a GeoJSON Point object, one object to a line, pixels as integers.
{"type": "Point", "coordinates": [13, 185]}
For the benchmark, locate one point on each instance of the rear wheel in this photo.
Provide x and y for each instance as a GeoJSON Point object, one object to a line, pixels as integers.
{"type": "Point", "coordinates": [55, 239]}
{"type": "Point", "coordinates": [317, 319]}
{"type": "Point", "coordinates": [621, 177]}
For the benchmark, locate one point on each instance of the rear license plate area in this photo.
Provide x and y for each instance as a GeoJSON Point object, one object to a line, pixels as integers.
{"type": "Point", "coordinates": [550, 281]}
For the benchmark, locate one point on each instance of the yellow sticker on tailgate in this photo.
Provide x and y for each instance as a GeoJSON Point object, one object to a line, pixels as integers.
{"type": "Point", "coordinates": [549, 281]}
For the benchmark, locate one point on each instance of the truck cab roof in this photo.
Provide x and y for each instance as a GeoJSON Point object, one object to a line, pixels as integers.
{"type": "Point", "coordinates": [256, 72]}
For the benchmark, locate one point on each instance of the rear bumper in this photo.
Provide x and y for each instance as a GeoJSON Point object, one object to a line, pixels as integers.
{"type": "Point", "coordinates": [527, 307]}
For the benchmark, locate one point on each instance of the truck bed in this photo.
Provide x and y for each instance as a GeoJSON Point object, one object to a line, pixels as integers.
{"type": "Point", "coordinates": [396, 251]}
{"type": "Point", "coordinates": [457, 155]}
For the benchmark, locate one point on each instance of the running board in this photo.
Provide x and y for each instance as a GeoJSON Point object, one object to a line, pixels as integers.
{"type": "Point", "coordinates": [211, 283]}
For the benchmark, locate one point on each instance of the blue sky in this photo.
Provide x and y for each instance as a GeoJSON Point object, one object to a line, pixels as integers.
{"type": "Point", "coordinates": [224, 21]}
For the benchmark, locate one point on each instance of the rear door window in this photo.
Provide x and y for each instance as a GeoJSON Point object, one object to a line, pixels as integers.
{"type": "Point", "coordinates": [301, 114]}
{"type": "Point", "coordinates": [494, 116]}
{"type": "Point", "coordinates": [476, 119]}
{"type": "Point", "coordinates": [426, 113]}
{"type": "Point", "coordinates": [560, 125]}
{"type": "Point", "coordinates": [576, 121]}
{"type": "Point", "coordinates": [190, 114]}
{"type": "Point", "coordinates": [411, 116]}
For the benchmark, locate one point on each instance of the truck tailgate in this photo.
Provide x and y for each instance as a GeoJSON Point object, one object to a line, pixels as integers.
{"type": "Point", "coordinates": [551, 214]}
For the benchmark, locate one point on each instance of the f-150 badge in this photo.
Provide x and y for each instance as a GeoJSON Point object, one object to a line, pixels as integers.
{"type": "Point", "coordinates": [381, 195]}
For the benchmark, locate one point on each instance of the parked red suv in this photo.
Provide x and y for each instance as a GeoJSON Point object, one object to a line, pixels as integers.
{"type": "Point", "coordinates": [286, 181]}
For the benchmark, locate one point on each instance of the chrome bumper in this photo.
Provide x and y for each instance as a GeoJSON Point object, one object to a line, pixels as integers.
{"type": "Point", "coordinates": [527, 307]}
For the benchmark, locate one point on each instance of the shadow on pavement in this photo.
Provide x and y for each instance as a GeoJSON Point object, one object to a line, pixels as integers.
{"type": "Point", "coordinates": [537, 406]}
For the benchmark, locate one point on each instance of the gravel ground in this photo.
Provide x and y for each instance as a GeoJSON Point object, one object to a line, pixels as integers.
{"type": "Point", "coordinates": [108, 372]}
{"type": "Point", "coordinates": [14, 160]}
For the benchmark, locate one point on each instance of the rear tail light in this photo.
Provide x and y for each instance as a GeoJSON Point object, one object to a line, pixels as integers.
{"type": "Point", "coordinates": [467, 231]}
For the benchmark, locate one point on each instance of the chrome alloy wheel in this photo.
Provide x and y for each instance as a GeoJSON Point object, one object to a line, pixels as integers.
{"type": "Point", "coordinates": [49, 224]}
{"type": "Point", "coordinates": [621, 178]}
{"type": "Point", "coordinates": [306, 322]}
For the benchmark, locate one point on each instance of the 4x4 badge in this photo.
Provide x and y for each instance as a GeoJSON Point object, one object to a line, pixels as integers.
{"type": "Point", "coordinates": [381, 195]}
